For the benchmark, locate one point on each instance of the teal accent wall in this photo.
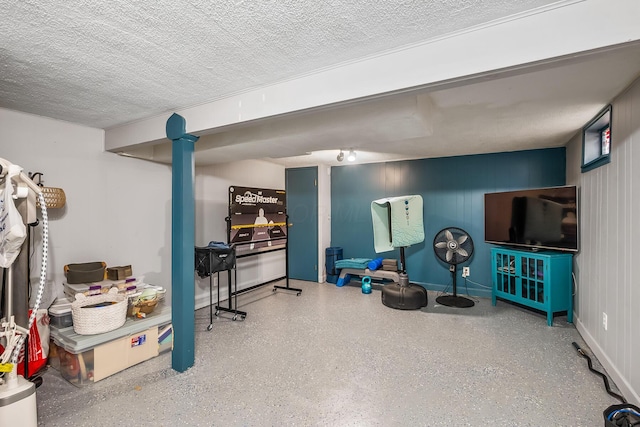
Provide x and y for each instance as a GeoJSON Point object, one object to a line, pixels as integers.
{"type": "Point", "coordinates": [453, 191]}
{"type": "Point", "coordinates": [302, 207]}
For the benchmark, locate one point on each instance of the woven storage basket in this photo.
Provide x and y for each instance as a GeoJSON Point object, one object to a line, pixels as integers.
{"type": "Point", "coordinates": [97, 320]}
{"type": "Point", "coordinates": [87, 272]}
{"type": "Point", "coordinates": [54, 198]}
{"type": "Point", "coordinates": [145, 302]}
{"type": "Point", "coordinates": [145, 307]}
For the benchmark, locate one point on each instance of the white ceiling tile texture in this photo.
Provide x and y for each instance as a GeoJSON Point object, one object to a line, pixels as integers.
{"type": "Point", "coordinates": [105, 63]}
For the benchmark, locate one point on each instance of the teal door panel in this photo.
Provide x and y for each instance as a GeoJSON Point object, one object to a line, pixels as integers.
{"type": "Point", "coordinates": [302, 207]}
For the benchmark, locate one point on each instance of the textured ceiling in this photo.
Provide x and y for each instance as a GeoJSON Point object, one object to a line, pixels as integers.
{"type": "Point", "coordinates": [105, 63]}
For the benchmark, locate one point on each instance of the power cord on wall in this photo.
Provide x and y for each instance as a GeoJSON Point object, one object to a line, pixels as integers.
{"type": "Point", "coordinates": [476, 283]}
{"type": "Point", "coordinates": [466, 288]}
{"type": "Point", "coordinates": [444, 291]}
{"type": "Point", "coordinates": [446, 288]}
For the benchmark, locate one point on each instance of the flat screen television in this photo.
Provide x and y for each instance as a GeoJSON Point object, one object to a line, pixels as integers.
{"type": "Point", "coordinates": [537, 218]}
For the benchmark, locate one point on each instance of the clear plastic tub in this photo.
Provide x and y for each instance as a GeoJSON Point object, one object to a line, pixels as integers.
{"type": "Point", "coordinates": [60, 313]}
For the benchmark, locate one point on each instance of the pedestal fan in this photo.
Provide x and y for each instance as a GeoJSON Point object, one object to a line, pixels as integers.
{"type": "Point", "coordinates": [453, 246]}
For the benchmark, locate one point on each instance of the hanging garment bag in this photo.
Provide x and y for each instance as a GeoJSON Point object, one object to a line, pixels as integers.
{"type": "Point", "coordinates": [12, 229]}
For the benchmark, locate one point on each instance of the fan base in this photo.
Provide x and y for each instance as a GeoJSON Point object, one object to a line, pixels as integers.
{"type": "Point", "coordinates": [455, 301]}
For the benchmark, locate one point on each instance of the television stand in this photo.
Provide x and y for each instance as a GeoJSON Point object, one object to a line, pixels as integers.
{"type": "Point", "coordinates": [539, 280]}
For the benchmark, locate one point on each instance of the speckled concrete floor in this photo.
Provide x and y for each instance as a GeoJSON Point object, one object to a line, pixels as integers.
{"type": "Point", "coordinates": [336, 357]}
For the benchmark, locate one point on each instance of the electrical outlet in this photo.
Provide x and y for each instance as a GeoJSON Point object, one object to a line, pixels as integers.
{"type": "Point", "coordinates": [604, 320]}
{"type": "Point", "coordinates": [465, 272]}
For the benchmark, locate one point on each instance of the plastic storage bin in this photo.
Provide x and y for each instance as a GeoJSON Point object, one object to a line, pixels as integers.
{"type": "Point", "coordinates": [130, 284]}
{"type": "Point", "coordinates": [71, 289]}
{"type": "Point", "coordinates": [165, 338]}
{"type": "Point", "coordinates": [60, 313]}
{"type": "Point", "coordinates": [85, 359]}
{"type": "Point", "coordinates": [108, 358]}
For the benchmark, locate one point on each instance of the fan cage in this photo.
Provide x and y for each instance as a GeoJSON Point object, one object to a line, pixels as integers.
{"type": "Point", "coordinates": [443, 244]}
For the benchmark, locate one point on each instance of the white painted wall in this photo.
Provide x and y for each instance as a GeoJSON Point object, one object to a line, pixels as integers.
{"type": "Point", "coordinates": [324, 218]}
{"type": "Point", "coordinates": [118, 209]}
{"type": "Point", "coordinates": [212, 207]}
{"type": "Point", "coordinates": [609, 248]}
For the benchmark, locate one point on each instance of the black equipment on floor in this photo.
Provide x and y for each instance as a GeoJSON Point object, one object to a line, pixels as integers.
{"type": "Point", "coordinates": [403, 295]}
{"type": "Point", "coordinates": [622, 415]}
{"type": "Point", "coordinates": [453, 246]}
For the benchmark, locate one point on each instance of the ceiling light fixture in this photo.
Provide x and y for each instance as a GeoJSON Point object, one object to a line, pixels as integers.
{"type": "Point", "coordinates": [352, 156]}
{"type": "Point", "coordinates": [340, 156]}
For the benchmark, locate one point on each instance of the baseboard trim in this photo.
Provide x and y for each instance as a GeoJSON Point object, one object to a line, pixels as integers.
{"type": "Point", "coordinates": [623, 385]}
{"type": "Point", "coordinates": [202, 291]}
{"type": "Point", "coordinates": [460, 290]}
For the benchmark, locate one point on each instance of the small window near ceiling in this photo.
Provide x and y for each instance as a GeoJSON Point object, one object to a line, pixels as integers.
{"type": "Point", "coordinates": [596, 141]}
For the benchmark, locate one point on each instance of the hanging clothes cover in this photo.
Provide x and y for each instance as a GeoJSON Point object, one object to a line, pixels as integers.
{"type": "Point", "coordinates": [12, 230]}
{"type": "Point", "coordinates": [397, 222]}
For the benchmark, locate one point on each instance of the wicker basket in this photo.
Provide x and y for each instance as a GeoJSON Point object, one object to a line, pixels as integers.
{"type": "Point", "coordinates": [54, 198]}
{"type": "Point", "coordinates": [97, 320]}
{"type": "Point", "coordinates": [145, 307]}
{"type": "Point", "coordinates": [87, 272]}
{"type": "Point", "coordinates": [144, 303]}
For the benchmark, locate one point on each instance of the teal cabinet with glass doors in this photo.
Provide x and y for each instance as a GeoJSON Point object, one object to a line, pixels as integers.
{"type": "Point", "coordinates": [540, 280]}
